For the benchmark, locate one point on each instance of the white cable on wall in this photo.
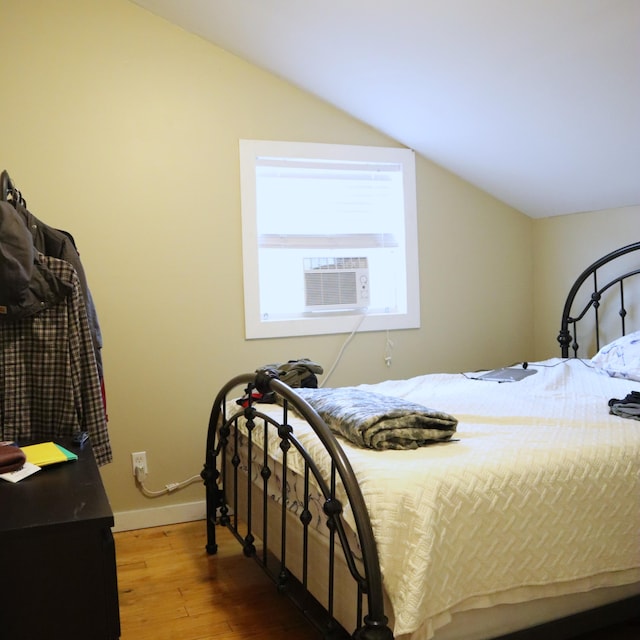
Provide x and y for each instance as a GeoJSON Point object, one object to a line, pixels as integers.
{"type": "Point", "coordinates": [388, 348]}
{"type": "Point", "coordinates": [344, 346]}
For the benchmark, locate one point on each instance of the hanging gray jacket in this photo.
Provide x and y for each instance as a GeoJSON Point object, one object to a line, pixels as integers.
{"type": "Point", "coordinates": [27, 286]}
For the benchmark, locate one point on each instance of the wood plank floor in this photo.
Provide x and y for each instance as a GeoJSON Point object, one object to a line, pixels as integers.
{"type": "Point", "coordinates": [171, 589]}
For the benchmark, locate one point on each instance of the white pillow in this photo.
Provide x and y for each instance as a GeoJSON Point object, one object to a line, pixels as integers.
{"type": "Point", "coordinates": [620, 358]}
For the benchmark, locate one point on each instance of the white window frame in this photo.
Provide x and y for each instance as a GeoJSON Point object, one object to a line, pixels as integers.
{"type": "Point", "coordinates": [344, 321]}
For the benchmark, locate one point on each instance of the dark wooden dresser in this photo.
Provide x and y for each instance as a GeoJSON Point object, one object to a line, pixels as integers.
{"type": "Point", "coordinates": [57, 554]}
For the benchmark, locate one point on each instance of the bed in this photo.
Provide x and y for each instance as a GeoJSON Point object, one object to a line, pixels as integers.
{"type": "Point", "coordinates": [519, 519]}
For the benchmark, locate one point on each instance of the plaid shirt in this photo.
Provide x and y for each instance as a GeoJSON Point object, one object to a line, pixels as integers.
{"type": "Point", "coordinates": [49, 382]}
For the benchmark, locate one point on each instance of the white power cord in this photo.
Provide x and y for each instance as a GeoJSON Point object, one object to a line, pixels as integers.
{"type": "Point", "coordinates": [388, 348]}
{"type": "Point", "coordinates": [344, 346]}
{"type": "Point", "coordinates": [168, 488]}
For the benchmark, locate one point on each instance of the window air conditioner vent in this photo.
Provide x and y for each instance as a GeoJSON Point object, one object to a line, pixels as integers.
{"type": "Point", "coordinates": [332, 284]}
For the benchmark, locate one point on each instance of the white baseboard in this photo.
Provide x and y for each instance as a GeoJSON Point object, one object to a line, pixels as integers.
{"type": "Point", "coordinates": [159, 516]}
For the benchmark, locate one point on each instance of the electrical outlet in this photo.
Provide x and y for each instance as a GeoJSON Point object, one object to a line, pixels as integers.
{"type": "Point", "coordinates": [139, 460]}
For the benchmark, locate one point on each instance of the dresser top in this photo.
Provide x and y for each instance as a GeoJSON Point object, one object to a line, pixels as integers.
{"type": "Point", "coordinates": [57, 495]}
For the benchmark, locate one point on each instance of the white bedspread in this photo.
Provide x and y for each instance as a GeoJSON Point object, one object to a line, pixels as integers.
{"type": "Point", "coordinates": [539, 497]}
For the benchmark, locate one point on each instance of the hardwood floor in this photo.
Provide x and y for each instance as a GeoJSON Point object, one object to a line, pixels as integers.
{"type": "Point", "coordinates": [170, 589]}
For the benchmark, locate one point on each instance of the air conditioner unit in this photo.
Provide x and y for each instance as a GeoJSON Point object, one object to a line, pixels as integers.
{"type": "Point", "coordinates": [332, 284]}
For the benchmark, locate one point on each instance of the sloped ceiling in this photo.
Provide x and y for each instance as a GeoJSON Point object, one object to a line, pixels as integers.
{"type": "Point", "coordinates": [535, 101]}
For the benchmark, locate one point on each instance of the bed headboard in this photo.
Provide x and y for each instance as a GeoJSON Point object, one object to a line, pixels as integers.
{"type": "Point", "coordinates": [588, 287]}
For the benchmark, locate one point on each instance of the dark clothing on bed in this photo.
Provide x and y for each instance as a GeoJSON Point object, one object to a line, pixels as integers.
{"type": "Point", "coordinates": [628, 407]}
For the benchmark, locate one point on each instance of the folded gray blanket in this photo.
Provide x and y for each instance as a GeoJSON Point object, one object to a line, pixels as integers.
{"type": "Point", "coordinates": [377, 421]}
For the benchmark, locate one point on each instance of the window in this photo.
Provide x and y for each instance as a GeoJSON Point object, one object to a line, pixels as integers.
{"type": "Point", "coordinates": [329, 238]}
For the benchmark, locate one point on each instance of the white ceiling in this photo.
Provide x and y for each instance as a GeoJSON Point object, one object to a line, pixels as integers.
{"type": "Point", "coordinates": [535, 101]}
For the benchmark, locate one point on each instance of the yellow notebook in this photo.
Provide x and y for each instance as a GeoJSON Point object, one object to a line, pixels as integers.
{"type": "Point", "coordinates": [47, 453]}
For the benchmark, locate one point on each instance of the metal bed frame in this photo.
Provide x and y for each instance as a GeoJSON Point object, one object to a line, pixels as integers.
{"type": "Point", "coordinates": [363, 563]}
{"type": "Point", "coordinates": [222, 471]}
{"type": "Point", "coordinates": [568, 336]}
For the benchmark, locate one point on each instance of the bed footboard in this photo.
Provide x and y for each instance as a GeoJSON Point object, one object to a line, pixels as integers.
{"type": "Point", "coordinates": [245, 506]}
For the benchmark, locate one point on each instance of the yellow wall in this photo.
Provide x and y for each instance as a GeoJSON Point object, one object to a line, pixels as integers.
{"type": "Point", "coordinates": [124, 130]}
